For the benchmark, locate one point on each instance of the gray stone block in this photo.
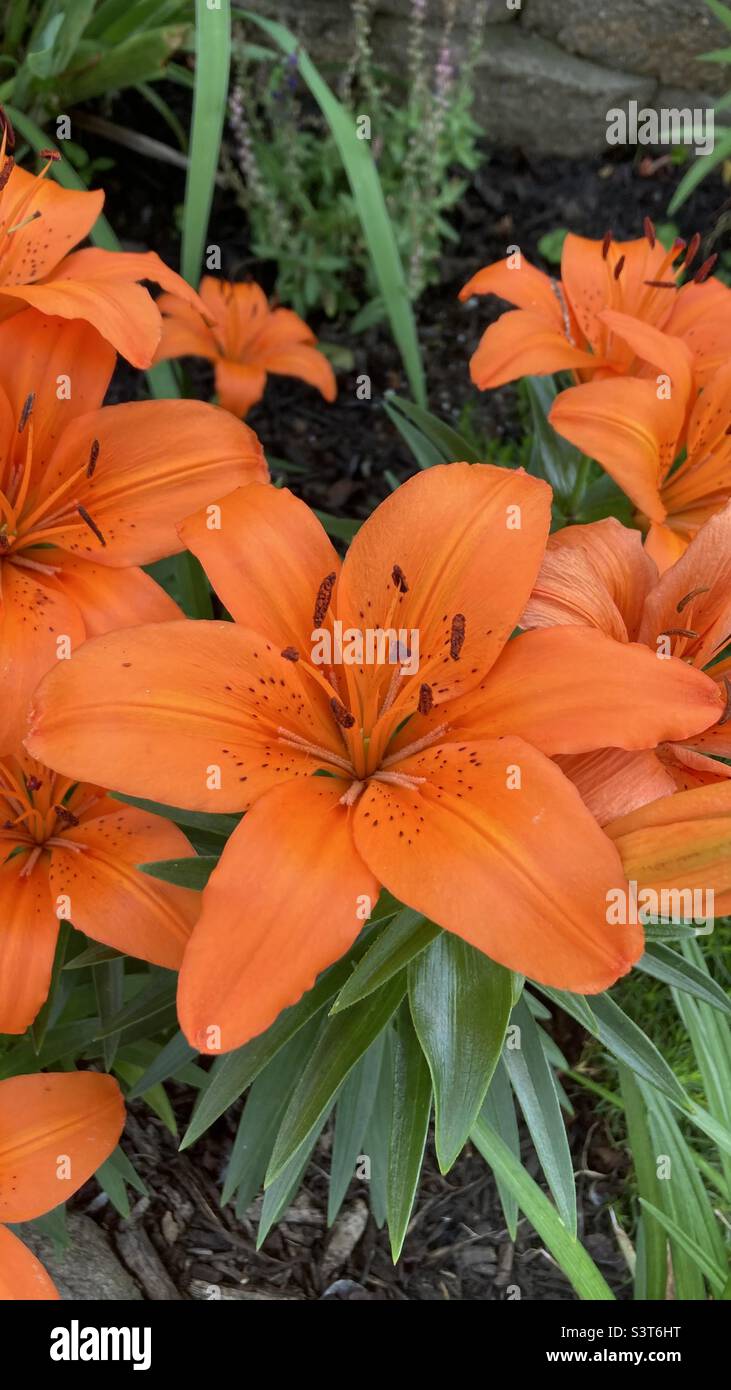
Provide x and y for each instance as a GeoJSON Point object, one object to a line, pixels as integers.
{"type": "Point", "coordinates": [89, 1268]}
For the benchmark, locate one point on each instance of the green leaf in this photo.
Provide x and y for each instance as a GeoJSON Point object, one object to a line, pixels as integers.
{"type": "Point", "coordinates": [651, 1271]}
{"type": "Point", "coordinates": [213, 58]}
{"type": "Point", "coordinates": [113, 1177]}
{"type": "Point", "coordinates": [146, 1006]}
{"type": "Point", "coordinates": [377, 1142]}
{"type": "Point", "coordinates": [280, 1193]}
{"type": "Point", "coordinates": [572, 1258]}
{"type": "Point", "coordinates": [342, 527]}
{"type": "Point", "coordinates": [230, 1075]}
{"type": "Point", "coordinates": [108, 977]}
{"type": "Point", "coordinates": [698, 171]}
{"type": "Point", "coordinates": [343, 1040]}
{"type": "Point", "coordinates": [460, 1003]}
{"type": "Point", "coordinates": [715, 1274]}
{"type": "Point", "coordinates": [441, 443]}
{"type": "Point", "coordinates": [93, 955]}
{"type": "Point", "coordinates": [192, 820]}
{"type": "Point", "coordinates": [176, 1053]}
{"type": "Point", "coordinates": [666, 965]}
{"type": "Point", "coordinates": [499, 1112]}
{"type": "Point", "coordinates": [364, 181]}
{"type": "Point", "coordinates": [552, 457]}
{"type": "Point", "coordinates": [354, 1108]}
{"type": "Point", "coordinates": [154, 1096]}
{"type": "Point", "coordinates": [192, 872]}
{"type": "Point", "coordinates": [407, 935]}
{"type": "Point", "coordinates": [535, 1087]}
{"type": "Point", "coordinates": [412, 1094]}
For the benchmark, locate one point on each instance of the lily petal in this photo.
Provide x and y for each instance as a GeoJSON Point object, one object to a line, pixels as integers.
{"type": "Point", "coordinates": [33, 616]}
{"type": "Point", "coordinates": [27, 941]}
{"type": "Point", "coordinates": [613, 782]}
{"type": "Point", "coordinates": [597, 575]}
{"type": "Point", "coordinates": [680, 842]}
{"type": "Point", "coordinates": [523, 342]}
{"type": "Point", "coordinates": [22, 1276]}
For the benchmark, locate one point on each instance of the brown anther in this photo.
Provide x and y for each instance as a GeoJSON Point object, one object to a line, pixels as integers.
{"type": "Point", "coordinates": [343, 716]}
{"type": "Point", "coordinates": [678, 632]}
{"type": "Point", "coordinates": [66, 816]}
{"type": "Point", "coordinates": [693, 249]}
{"type": "Point", "coordinates": [727, 711]}
{"type": "Point", "coordinates": [93, 457]}
{"type": "Point", "coordinates": [89, 521]}
{"type": "Point", "coordinates": [322, 602]}
{"type": "Point", "coordinates": [6, 128]}
{"type": "Point", "coordinates": [661, 284]}
{"type": "Point", "coordinates": [703, 273]}
{"type": "Point", "coordinates": [456, 638]}
{"type": "Point", "coordinates": [50, 154]}
{"type": "Point", "coordinates": [399, 579]}
{"type": "Point", "coordinates": [649, 230]}
{"type": "Point", "coordinates": [291, 654]}
{"type": "Point", "coordinates": [619, 267]}
{"type": "Point", "coordinates": [606, 244]}
{"type": "Point", "coordinates": [679, 245]}
{"type": "Point", "coordinates": [26, 412]}
{"type": "Point", "coordinates": [426, 699]}
{"type": "Point", "coordinates": [33, 784]}
{"type": "Point", "coordinates": [693, 593]}
{"type": "Point", "coordinates": [4, 541]}
{"type": "Point", "coordinates": [6, 171]}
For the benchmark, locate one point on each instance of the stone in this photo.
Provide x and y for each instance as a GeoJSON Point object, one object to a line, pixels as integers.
{"type": "Point", "coordinates": [657, 38]}
{"type": "Point", "coordinates": [88, 1269]}
{"type": "Point", "coordinates": [529, 93]}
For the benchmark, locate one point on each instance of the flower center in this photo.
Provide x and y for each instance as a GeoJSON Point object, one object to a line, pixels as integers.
{"type": "Point", "coordinates": [37, 809]}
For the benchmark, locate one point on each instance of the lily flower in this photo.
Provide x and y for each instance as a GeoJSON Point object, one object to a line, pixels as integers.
{"type": "Point", "coordinates": [560, 325]}
{"type": "Point", "coordinates": [637, 428]}
{"type": "Point", "coordinates": [601, 576]}
{"type": "Point", "coordinates": [88, 495]}
{"type": "Point", "coordinates": [680, 844]}
{"type": "Point", "coordinates": [56, 1129]}
{"type": "Point", "coordinates": [40, 224]}
{"type": "Point", "coordinates": [68, 851]}
{"type": "Point", "coordinates": [404, 766]}
{"type": "Point", "coordinates": [245, 340]}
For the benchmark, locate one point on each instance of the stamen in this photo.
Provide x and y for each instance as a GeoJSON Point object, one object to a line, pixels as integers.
{"type": "Point", "coordinates": [88, 521]}
{"type": "Point", "coordinates": [399, 579]}
{"type": "Point", "coordinates": [727, 712]}
{"type": "Point", "coordinates": [343, 717]}
{"type": "Point", "coordinates": [322, 602]}
{"type": "Point", "coordinates": [693, 594]}
{"type": "Point", "coordinates": [619, 267]}
{"type": "Point", "coordinates": [398, 779]}
{"type": "Point", "coordinates": [58, 843]}
{"type": "Point", "coordinates": [649, 230]}
{"type": "Point", "coordinates": [291, 654]}
{"type": "Point", "coordinates": [678, 632]}
{"type": "Point", "coordinates": [33, 784]}
{"type": "Point", "coordinates": [64, 814]}
{"type": "Point", "coordinates": [31, 861]}
{"type": "Point", "coordinates": [6, 171]}
{"type": "Point", "coordinates": [693, 249]}
{"type": "Point", "coordinates": [93, 456]}
{"type": "Point", "coordinates": [661, 284]}
{"type": "Point", "coordinates": [32, 217]}
{"type": "Point", "coordinates": [351, 795]}
{"type": "Point", "coordinates": [53, 155]}
{"type": "Point", "coordinates": [417, 746]}
{"type": "Point", "coordinates": [456, 640]}
{"type": "Point", "coordinates": [705, 270]}
{"type": "Point", "coordinates": [426, 699]}
{"type": "Point", "coordinates": [606, 244]}
{"type": "Point", "coordinates": [26, 411]}
{"type": "Point", "coordinates": [316, 749]}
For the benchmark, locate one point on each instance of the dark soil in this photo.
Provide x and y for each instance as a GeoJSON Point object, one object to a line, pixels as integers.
{"type": "Point", "coordinates": [457, 1247]}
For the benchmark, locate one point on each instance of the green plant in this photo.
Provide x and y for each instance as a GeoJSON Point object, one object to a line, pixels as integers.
{"type": "Point", "coordinates": [704, 164]}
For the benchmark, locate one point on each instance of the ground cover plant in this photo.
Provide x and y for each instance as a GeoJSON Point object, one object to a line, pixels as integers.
{"type": "Point", "coordinates": [365, 648]}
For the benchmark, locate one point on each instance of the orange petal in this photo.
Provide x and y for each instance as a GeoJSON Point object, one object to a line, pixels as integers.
{"type": "Point", "coordinates": [33, 616]}
{"type": "Point", "coordinates": [689, 768]}
{"type": "Point", "coordinates": [35, 352]}
{"type": "Point", "coordinates": [237, 312]}
{"type": "Point", "coordinates": [590, 285]}
{"type": "Point", "coordinates": [701, 316]}
{"type": "Point", "coordinates": [695, 595]}
{"type": "Point", "coordinates": [184, 713]}
{"type": "Point", "coordinates": [158, 461]}
{"type": "Point", "coordinates": [65, 218]}
{"type": "Point", "coordinates": [27, 940]}
{"type": "Point", "coordinates": [597, 575]}
{"type": "Point", "coordinates": [298, 360]}
{"type": "Point", "coordinates": [185, 332]}
{"type": "Point", "coordinates": [468, 540]}
{"type": "Point", "coordinates": [624, 426]}
{"type": "Point", "coordinates": [613, 782]}
{"type": "Point", "coordinates": [124, 314]}
{"type": "Point", "coordinates": [111, 900]}
{"type": "Point", "coordinates": [238, 386]}
{"type": "Point", "coordinates": [665, 545]}
{"type": "Point", "coordinates": [487, 847]}
{"type": "Point", "coordinates": [22, 1276]}
{"type": "Point", "coordinates": [108, 599]}
{"type": "Point", "coordinates": [262, 939]}
{"type": "Point", "coordinates": [680, 842]}
{"type": "Point", "coordinates": [266, 560]}
{"type": "Point", "coordinates": [523, 343]}
{"type": "Point", "coordinates": [56, 1130]}
{"type": "Point", "coordinates": [523, 285]}
{"type": "Point", "coordinates": [571, 689]}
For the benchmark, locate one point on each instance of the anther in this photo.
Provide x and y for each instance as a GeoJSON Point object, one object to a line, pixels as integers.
{"type": "Point", "coordinates": [66, 816]}
{"type": "Point", "coordinates": [343, 716]}
{"type": "Point", "coordinates": [693, 248]}
{"type": "Point", "coordinates": [606, 244]}
{"type": "Point", "coordinates": [89, 521]}
{"type": "Point", "coordinates": [426, 699]}
{"type": "Point", "coordinates": [93, 457]}
{"type": "Point", "coordinates": [705, 270]}
{"type": "Point", "coordinates": [619, 267]}
{"type": "Point", "coordinates": [50, 154]}
{"type": "Point", "coordinates": [322, 602]}
{"type": "Point", "coordinates": [678, 632]}
{"type": "Point", "coordinates": [456, 639]}
{"type": "Point", "coordinates": [649, 230]}
{"type": "Point", "coordinates": [291, 654]}
{"type": "Point", "coordinates": [6, 171]}
{"type": "Point", "coordinates": [727, 712]}
{"type": "Point", "coordinates": [33, 784]}
{"type": "Point", "coordinates": [661, 284]}
{"type": "Point", "coordinates": [25, 413]}
{"type": "Point", "coordinates": [399, 579]}
{"type": "Point", "coordinates": [693, 594]}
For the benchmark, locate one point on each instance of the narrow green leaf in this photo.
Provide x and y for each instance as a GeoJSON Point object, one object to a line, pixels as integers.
{"type": "Point", "coordinates": [354, 1108]}
{"type": "Point", "coordinates": [651, 1271]}
{"type": "Point", "coordinates": [499, 1112]}
{"type": "Point", "coordinates": [450, 446]}
{"type": "Point", "coordinates": [193, 872]}
{"type": "Point", "coordinates": [93, 955]}
{"type": "Point", "coordinates": [279, 1194]}
{"type": "Point", "coordinates": [402, 940]}
{"type": "Point", "coordinates": [146, 1006]}
{"type": "Point", "coordinates": [535, 1087]}
{"type": "Point", "coordinates": [192, 820]}
{"type": "Point", "coordinates": [572, 1258]}
{"type": "Point", "coordinates": [377, 1141]}
{"type": "Point", "coordinates": [460, 1003]}
{"type": "Point", "coordinates": [670, 967]}
{"type": "Point", "coordinates": [176, 1054]}
{"type": "Point", "coordinates": [412, 1094]}
{"type": "Point", "coordinates": [114, 1176]}
{"type": "Point", "coordinates": [213, 57]}
{"type": "Point", "coordinates": [343, 1040]}
{"type": "Point", "coordinates": [715, 1274]}
{"type": "Point", "coordinates": [108, 977]}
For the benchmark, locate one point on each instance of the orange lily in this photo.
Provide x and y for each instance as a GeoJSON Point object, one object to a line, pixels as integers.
{"type": "Point", "coordinates": [40, 223]}
{"type": "Point", "coordinates": [602, 577]}
{"type": "Point", "coordinates": [56, 1129]}
{"type": "Point", "coordinates": [560, 325]}
{"type": "Point", "coordinates": [680, 842]}
{"type": "Point", "coordinates": [67, 850]}
{"type": "Point", "coordinates": [435, 785]}
{"type": "Point", "coordinates": [87, 495]}
{"type": "Point", "coordinates": [637, 428]}
{"type": "Point", "coordinates": [246, 340]}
